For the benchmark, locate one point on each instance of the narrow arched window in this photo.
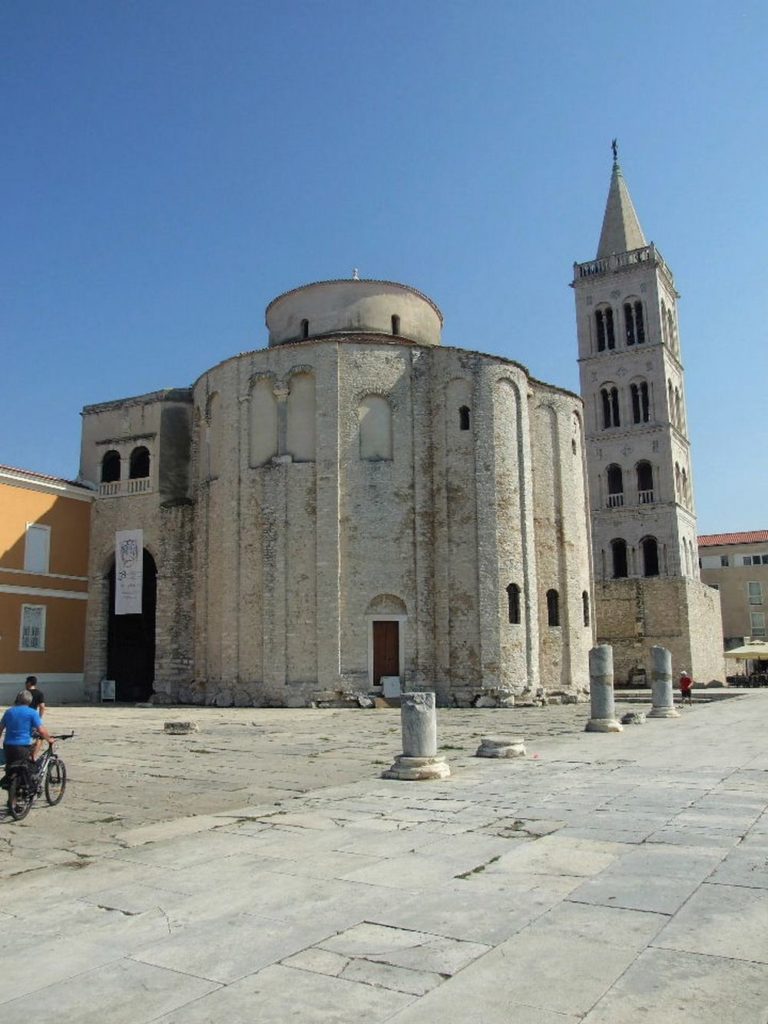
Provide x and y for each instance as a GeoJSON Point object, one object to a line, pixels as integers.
{"type": "Point", "coordinates": [650, 556]}
{"type": "Point", "coordinates": [610, 400]}
{"type": "Point", "coordinates": [644, 483]}
{"type": "Point", "coordinates": [610, 337]}
{"type": "Point", "coordinates": [639, 323]}
{"type": "Point", "coordinates": [305, 328]}
{"type": "Point", "coordinates": [585, 607]}
{"type": "Point", "coordinates": [619, 552]}
{"type": "Point", "coordinates": [615, 479]}
{"type": "Point", "coordinates": [139, 464]}
{"type": "Point", "coordinates": [553, 608]}
{"type": "Point", "coordinates": [110, 467]}
{"type": "Point", "coordinates": [464, 417]}
{"type": "Point", "coordinates": [513, 603]}
{"type": "Point", "coordinates": [629, 323]}
{"type": "Point", "coordinates": [375, 419]}
{"type": "Point", "coordinates": [396, 325]}
{"type": "Point", "coordinates": [600, 328]}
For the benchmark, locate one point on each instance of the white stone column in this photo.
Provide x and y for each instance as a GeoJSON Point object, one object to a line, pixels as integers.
{"type": "Point", "coordinates": [419, 760]}
{"type": "Point", "coordinates": [661, 684]}
{"type": "Point", "coordinates": [602, 710]}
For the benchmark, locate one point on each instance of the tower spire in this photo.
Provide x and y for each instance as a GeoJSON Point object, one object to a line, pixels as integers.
{"type": "Point", "coordinates": [621, 230]}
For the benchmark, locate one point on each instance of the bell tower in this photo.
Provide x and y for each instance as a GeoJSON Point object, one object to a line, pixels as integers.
{"type": "Point", "coordinates": [643, 520]}
{"type": "Point", "coordinates": [638, 452]}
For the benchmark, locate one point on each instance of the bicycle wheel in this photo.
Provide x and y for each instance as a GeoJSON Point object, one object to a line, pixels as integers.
{"type": "Point", "coordinates": [55, 780]}
{"type": "Point", "coordinates": [19, 796]}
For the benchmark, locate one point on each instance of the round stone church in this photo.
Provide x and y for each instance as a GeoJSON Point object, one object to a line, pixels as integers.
{"type": "Point", "coordinates": [354, 509]}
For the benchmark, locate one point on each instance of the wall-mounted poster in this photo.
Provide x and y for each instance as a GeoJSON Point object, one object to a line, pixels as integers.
{"type": "Point", "coordinates": [129, 551]}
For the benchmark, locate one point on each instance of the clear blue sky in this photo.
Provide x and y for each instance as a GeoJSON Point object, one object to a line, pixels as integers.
{"type": "Point", "coordinates": [169, 167]}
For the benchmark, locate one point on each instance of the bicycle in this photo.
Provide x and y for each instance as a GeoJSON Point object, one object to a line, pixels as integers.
{"type": "Point", "coordinates": [30, 779]}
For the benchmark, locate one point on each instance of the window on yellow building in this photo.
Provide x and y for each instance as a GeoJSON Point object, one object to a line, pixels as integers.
{"type": "Point", "coordinates": [32, 632]}
{"type": "Point", "coordinates": [37, 548]}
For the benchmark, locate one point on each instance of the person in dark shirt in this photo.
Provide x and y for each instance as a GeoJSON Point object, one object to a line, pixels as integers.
{"type": "Point", "coordinates": [38, 697]}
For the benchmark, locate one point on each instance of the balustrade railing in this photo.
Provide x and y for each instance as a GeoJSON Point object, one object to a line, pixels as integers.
{"type": "Point", "coordinates": [615, 500]}
{"type": "Point", "coordinates": [645, 497]}
{"type": "Point", "coordinates": [115, 488]}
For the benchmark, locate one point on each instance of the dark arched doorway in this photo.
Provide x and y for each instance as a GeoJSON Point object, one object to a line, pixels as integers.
{"type": "Point", "coordinates": [131, 639]}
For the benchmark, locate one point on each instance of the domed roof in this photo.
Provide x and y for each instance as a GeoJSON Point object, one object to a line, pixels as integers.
{"type": "Point", "coordinates": [353, 306]}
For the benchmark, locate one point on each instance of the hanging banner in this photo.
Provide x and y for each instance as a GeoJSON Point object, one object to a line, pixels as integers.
{"type": "Point", "coordinates": [129, 551]}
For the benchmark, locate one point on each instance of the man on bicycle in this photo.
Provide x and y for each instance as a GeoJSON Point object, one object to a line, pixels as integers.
{"type": "Point", "coordinates": [21, 723]}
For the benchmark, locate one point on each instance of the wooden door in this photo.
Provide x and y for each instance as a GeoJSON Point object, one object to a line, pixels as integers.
{"type": "Point", "coordinates": [386, 650]}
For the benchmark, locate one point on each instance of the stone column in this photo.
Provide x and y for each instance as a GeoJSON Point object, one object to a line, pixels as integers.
{"type": "Point", "coordinates": [419, 759]}
{"type": "Point", "coordinates": [661, 684]}
{"type": "Point", "coordinates": [602, 709]}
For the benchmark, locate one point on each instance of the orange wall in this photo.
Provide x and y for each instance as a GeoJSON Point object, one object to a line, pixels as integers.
{"type": "Point", "coordinates": [64, 636]}
{"type": "Point", "coordinates": [68, 518]}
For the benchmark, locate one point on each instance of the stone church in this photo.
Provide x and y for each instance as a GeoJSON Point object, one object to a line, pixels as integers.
{"type": "Point", "coordinates": [644, 537]}
{"type": "Point", "coordinates": [351, 507]}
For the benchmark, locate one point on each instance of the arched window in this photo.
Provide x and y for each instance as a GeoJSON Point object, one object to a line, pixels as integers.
{"type": "Point", "coordinates": [641, 409]}
{"type": "Point", "coordinates": [619, 552]}
{"type": "Point", "coordinates": [615, 479]}
{"type": "Point", "coordinates": [305, 328]}
{"type": "Point", "coordinates": [513, 603]}
{"type": "Point", "coordinates": [139, 464]}
{"type": "Point", "coordinates": [685, 493]}
{"type": "Point", "coordinates": [606, 338]}
{"type": "Point", "coordinates": [671, 402]}
{"type": "Point", "coordinates": [110, 467]}
{"type": "Point", "coordinates": [464, 417]}
{"type": "Point", "coordinates": [678, 410]}
{"type": "Point", "coordinates": [644, 472]}
{"type": "Point", "coordinates": [678, 487]}
{"type": "Point", "coordinates": [553, 608]}
{"type": "Point", "coordinates": [610, 400]}
{"type": "Point", "coordinates": [375, 419]}
{"type": "Point", "coordinates": [585, 606]}
{"type": "Point", "coordinates": [396, 325]}
{"type": "Point", "coordinates": [664, 332]}
{"type": "Point", "coordinates": [650, 551]}
{"type": "Point", "coordinates": [634, 325]}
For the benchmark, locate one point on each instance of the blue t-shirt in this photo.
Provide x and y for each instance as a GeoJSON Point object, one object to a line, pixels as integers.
{"type": "Point", "coordinates": [19, 721]}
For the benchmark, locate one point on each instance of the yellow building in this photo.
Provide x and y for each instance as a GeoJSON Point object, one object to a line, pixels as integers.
{"type": "Point", "coordinates": [44, 535]}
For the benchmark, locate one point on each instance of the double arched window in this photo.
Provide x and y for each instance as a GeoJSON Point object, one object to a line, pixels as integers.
{"type": "Point", "coordinates": [634, 325]}
{"type": "Point", "coordinates": [641, 405]}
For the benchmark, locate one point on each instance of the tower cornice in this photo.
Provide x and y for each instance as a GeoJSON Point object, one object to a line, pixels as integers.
{"type": "Point", "coordinates": [617, 263]}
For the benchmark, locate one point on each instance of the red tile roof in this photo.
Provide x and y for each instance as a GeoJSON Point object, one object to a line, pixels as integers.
{"type": "Point", "coordinates": [711, 540]}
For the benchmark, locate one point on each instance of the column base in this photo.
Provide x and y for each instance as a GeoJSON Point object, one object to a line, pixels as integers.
{"type": "Point", "coordinates": [603, 725]}
{"type": "Point", "coordinates": [663, 713]}
{"type": "Point", "coordinates": [501, 746]}
{"type": "Point", "coordinates": [417, 769]}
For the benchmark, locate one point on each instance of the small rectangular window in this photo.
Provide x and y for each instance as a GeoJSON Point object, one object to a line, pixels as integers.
{"type": "Point", "coordinates": [724, 561]}
{"type": "Point", "coordinates": [37, 548]}
{"type": "Point", "coordinates": [32, 632]}
{"type": "Point", "coordinates": [755, 593]}
{"type": "Point", "coordinates": [757, 620]}
{"type": "Point", "coordinates": [746, 559]}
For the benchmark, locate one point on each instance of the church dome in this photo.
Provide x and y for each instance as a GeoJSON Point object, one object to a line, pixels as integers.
{"type": "Point", "coordinates": [352, 306]}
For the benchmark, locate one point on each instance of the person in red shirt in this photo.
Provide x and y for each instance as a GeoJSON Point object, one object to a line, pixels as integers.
{"type": "Point", "coordinates": [686, 688]}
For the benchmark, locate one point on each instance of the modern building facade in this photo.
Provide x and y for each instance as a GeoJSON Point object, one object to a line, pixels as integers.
{"type": "Point", "coordinates": [352, 502]}
{"type": "Point", "coordinates": [44, 540]}
{"type": "Point", "coordinates": [736, 565]}
{"type": "Point", "coordinates": [647, 585]}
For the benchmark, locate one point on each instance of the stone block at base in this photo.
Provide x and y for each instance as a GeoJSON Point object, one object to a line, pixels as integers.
{"type": "Point", "coordinates": [418, 769]}
{"type": "Point", "coordinates": [603, 725]}
{"type": "Point", "coordinates": [180, 728]}
{"type": "Point", "coordinates": [501, 746]}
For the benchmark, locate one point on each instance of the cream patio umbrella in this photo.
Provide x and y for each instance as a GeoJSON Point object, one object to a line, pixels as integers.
{"type": "Point", "coordinates": [756, 650]}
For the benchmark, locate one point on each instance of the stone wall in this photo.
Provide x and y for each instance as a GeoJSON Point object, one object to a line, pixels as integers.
{"type": "Point", "coordinates": [681, 615]}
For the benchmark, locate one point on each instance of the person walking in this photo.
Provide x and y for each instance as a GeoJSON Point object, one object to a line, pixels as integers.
{"type": "Point", "coordinates": [686, 688]}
